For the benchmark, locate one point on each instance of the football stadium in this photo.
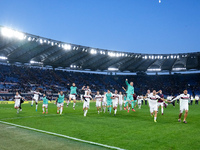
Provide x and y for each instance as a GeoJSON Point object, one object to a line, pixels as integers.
{"type": "Point", "coordinates": [55, 94]}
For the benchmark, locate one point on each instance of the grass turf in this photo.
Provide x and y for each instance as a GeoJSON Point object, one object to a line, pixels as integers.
{"type": "Point", "coordinates": [133, 130]}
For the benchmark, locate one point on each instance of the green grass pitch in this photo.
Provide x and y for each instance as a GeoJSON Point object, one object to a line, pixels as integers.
{"type": "Point", "coordinates": [133, 130]}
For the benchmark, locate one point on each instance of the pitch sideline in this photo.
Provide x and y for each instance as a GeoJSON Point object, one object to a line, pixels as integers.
{"type": "Point", "coordinates": [60, 135]}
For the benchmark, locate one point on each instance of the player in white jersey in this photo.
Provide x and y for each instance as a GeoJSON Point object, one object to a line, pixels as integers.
{"type": "Point", "coordinates": [147, 97]}
{"type": "Point", "coordinates": [36, 98]}
{"type": "Point", "coordinates": [196, 99]}
{"type": "Point", "coordinates": [115, 101]}
{"type": "Point", "coordinates": [161, 102]}
{"type": "Point", "coordinates": [184, 99]}
{"type": "Point", "coordinates": [98, 99]}
{"type": "Point", "coordinates": [153, 98]}
{"type": "Point", "coordinates": [120, 100]}
{"type": "Point", "coordinates": [17, 101]}
{"type": "Point", "coordinates": [104, 102]}
{"type": "Point", "coordinates": [139, 99]}
{"type": "Point", "coordinates": [87, 89]}
{"type": "Point", "coordinates": [86, 103]}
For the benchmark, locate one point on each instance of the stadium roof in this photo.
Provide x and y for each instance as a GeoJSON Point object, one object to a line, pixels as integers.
{"type": "Point", "coordinates": [31, 49]}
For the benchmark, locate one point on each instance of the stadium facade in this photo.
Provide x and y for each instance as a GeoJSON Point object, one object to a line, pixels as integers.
{"type": "Point", "coordinates": [26, 49]}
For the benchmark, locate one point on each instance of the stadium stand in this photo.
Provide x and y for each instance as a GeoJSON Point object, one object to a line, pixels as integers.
{"type": "Point", "coordinates": [24, 79]}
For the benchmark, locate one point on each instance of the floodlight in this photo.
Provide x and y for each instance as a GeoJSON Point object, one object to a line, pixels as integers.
{"type": "Point", "coordinates": [3, 57]}
{"type": "Point", "coordinates": [155, 69]}
{"type": "Point", "coordinates": [93, 51]}
{"type": "Point", "coordinates": [19, 35]}
{"type": "Point", "coordinates": [113, 69]}
{"type": "Point", "coordinates": [41, 41]}
{"type": "Point", "coordinates": [67, 46]}
{"type": "Point", "coordinates": [29, 39]}
{"type": "Point", "coordinates": [178, 69]}
{"type": "Point", "coordinates": [7, 32]}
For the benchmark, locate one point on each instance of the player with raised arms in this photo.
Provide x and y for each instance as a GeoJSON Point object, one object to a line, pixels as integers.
{"type": "Point", "coordinates": [72, 95]}
{"type": "Point", "coordinates": [184, 99]}
{"type": "Point", "coordinates": [87, 89]}
{"type": "Point", "coordinates": [98, 99]}
{"type": "Point", "coordinates": [45, 104]}
{"type": "Point", "coordinates": [130, 92]}
{"type": "Point", "coordinates": [36, 98]}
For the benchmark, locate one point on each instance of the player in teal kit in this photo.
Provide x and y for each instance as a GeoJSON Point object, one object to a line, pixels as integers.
{"type": "Point", "coordinates": [109, 100]}
{"type": "Point", "coordinates": [130, 92]}
{"type": "Point", "coordinates": [72, 95]}
{"type": "Point", "coordinates": [45, 104]}
{"type": "Point", "coordinates": [60, 102]}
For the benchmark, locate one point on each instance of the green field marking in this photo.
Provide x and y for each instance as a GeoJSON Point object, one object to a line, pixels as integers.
{"type": "Point", "coordinates": [133, 130]}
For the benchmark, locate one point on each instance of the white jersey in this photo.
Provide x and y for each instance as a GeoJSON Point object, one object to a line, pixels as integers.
{"type": "Point", "coordinates": [148, 95]}
{"type": "Point", "coordinates": [184, 99]}
{"type": "Point", "coordinates": [153, 99]}
{"type": "Point", "coordinates": [17, 97]}
{"type": "Point", "coordinates": [196, 97]}
{"type": "Point", "coordinates": [87, 90]}
{"type": "Point", "coordinates": [169, 98]}
{"type": "Point", "coordinates": [104, 98]}
{"type": "Point", "coordinates": [87, 101]}
{"type": "Point", "coordinates": [36, 95]}
{"type": "Point", "coordinates": [192, 98]}
{"type": "Point", "coordinates": [87, 97]}
{"type": "Point", "coordinates": [120, 97]}
{"type": "Point", "coordinates": [115, 100]}
{"type": "Point", "coordinates": [17, 100]}
{"type": "Point", "coordinates": [116, 97]}
{"type": "Point", "coordinates": [98, 97]}
{"type": "Point", "coordinates": [139, 98]}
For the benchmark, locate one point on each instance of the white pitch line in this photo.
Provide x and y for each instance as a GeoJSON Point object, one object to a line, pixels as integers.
{"type": "Point", "coordinates": [60, 135]}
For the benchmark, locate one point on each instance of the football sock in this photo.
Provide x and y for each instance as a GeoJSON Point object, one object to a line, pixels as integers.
{"type": "Point", "coordinates": [110, 109]}
{"type": "Point", "coordinates": [61, 110]}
